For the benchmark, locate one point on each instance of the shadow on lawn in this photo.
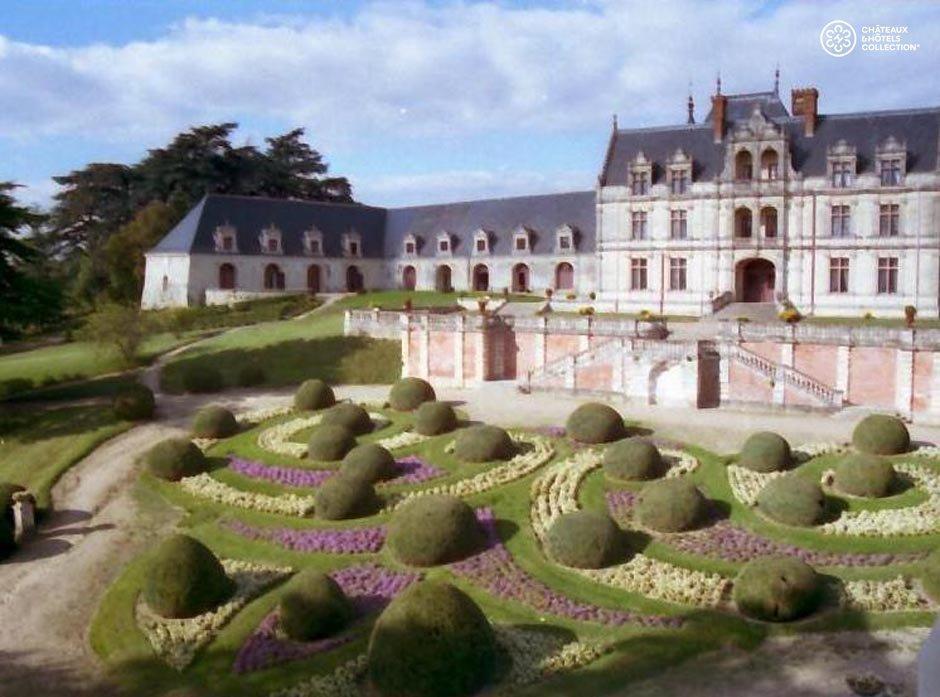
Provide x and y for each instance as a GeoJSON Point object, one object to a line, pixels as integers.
{"type": "Point", "coordinates": [20, 675]}
{"type": "Point", "coordinates": [29, 425]}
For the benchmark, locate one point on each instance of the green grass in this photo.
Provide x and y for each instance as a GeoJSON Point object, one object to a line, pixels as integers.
{"type": "Point", "coordinates": [37, 447]}
{"type": "Point", "coordinates": [240, 314]}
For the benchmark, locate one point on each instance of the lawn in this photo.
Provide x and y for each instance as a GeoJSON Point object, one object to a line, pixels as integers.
{"type": "Point", "coordinates": [687, 580]}
{"type": "Point", "coordinates": [38, 446]}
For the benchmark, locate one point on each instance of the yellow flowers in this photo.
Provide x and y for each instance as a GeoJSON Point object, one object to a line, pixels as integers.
{"type": "Point", "coordinates": [663, 581]}
{"type": "Point", "coordinates": [206, 487]}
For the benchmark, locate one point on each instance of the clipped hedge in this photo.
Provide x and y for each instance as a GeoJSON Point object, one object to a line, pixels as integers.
{"type": "Point", "coordinates": [202, 379]}
{"type": "Point", "coordinates": [930, 576]}
{"type": "Point", "coordinates": [435, 418]}
{"type": "Point", "coordinates": [595, 423]}
{"type": "Point", "coordinates": [185, 579]}
{"type": "Point", "coordinates": [434, 529]}
{"type": "Point", "coordinates": [431, 641]}
{"type": "Point", "coordinates": [369, 461]}
{"type": "Point", "coordinates": [313, 606]}
{"type": "Point", "coordinates": [881, 434]}
{"type": "Point", "coordinates": [214, 422]}
{"type": "Point", "coordinates": [409, 393]}
{"type": "Point", "coordinates": [175, 458]}
{"type": "Point", "coordinates": [329, 443]}
{"type": "Point", "coordinates": [633, 459]}
{"type": "Point", "coordinates": [864, 475]}
{"type": "Point", "coordinates": [766, 452]}
{"type": "Point", "coordinates": [313, 395]}
{"type": "Point", "coordinates": [483, 443]}
{"type": "Point", "coordinates": [670, 505]}
{"type": "Point", "coordinates": [341, 497]}
{"type": "Point", "coordinates": [250, 375]}
{"type": "Point", "coordinates": [585, 540]}
{"type": "Point", "coordinates": [134, 403]}
{"type": "Point", "coordinates": [777, 589]}
{"type": "Point", "coordinates": [793, 500]}
{"type": "Point", "coordinates": [350, 416]}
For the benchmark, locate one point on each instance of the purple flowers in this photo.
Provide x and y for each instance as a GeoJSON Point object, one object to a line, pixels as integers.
{"type": "Point", "coordinates": [620, 503]}
{"type": "Point", "coordinates": [495, 570]}
{"type": "Point", "coordinates": [369, 587]}
{"type": "Point", "coordinates": [412, 470]}
{"type": "Point", "coordinates": [342, 541]}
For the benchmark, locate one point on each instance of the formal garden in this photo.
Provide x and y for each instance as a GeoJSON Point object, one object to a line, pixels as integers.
{"type": "Point", "coordinates": [333, 548]}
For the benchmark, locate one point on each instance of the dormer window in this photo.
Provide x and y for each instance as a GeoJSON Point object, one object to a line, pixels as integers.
{"type": "Point", "coordinates": [520, 241]}
{"type": "Point", "coordinates": [352, 244]}
{"type": "Point", "coordinates": [313, 242]}
{"type": "Point", "coordinates": [564, 239]}
{"type": "Point", "coordinates": [411, 245]}
{"type": "Point", "coordinates": [270, 240]}
{"type": "Point", "coordinates": [641, 175]}
{"type": "Point", "coordinates": [891, 159]}
{"type": "Point", "coordinates": [481, 242]}
{"type": "Point", "coordinates": [842, 165]}
{"type": "Point", "coordinates": [445, 244]}
{"type": "Point", "coordinates": [680, 172]}
{"type": "Point", "coordinates": [225, 239]}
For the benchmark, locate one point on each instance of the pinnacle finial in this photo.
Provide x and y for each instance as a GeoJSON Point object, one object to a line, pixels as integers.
{"type": "Point", "coordinates": [614, 121]}
{"type": "Point", "coordinates": [718, 83]}
{"type": "Point", "coordinates": [777, 79]}
{"type": "Point", "coordinates": [691, 106]}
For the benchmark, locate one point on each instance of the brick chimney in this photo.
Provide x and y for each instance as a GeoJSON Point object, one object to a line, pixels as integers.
{"type": "Point", "coordinates": [805, 102]}
{"type": "Point", "coordinates": [719, 109]}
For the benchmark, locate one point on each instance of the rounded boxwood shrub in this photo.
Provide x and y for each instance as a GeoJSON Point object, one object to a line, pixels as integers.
{"type": "Point", "coordinates": [595, 423]}
{"type": "Point", "coordinates": [202, 379]}
{"type": "Point", "coordinates": [633, 459]}
{"type": "Point", "coordinates": [483, 443]}
{"type": "Point", "coordinates": [175, 458]}
{"type": "Point", "coordinates": [930, 577]}
{"type": "Point", "coordinates": [409, 393]}
{"type": "Point", "coordinates": [134, 403]}
{"type": "Point", "coordinates": [250, 375]}
{"type": "Point", "coordinates": [864, 475]}
{"type": "Point", "coordinates": [350, 416]}
{"type": "Point", "coordinates": [313, 395]}
{"type": "Point", "coordinates": [214, 422]}
{"type": "Point", "coordinates": [369, 461]}
{"type": "Point", "coordinates": [777, 589]}
{"type": "Point", "coordinates": [431, 641]}
{"type": "Point", "coordinates": [329, 443]}
{"type": "Point", "coordinates": [585, 540]}
{"type": "Point", "coordinates": [435, 418]}
{"type": "Point", "coordinates": [766, 452]}
{"type": "Point", "coordinates": [670, 505]}
{"type": "Point", "coordinates": [185, 579]}
{"type": "Point", "coordinates": [880, 434]}
{"type": "Point", "coordinates": [793, 500]}
{"type": "Point", "coordinates": [434, 529]}
{"type": "Point", "coordinates": [313, 606]}
{"type": "Point", "coordinates": [342, 496]}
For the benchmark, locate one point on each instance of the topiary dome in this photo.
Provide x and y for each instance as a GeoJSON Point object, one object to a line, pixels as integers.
{"type": "Point", "coordinates": [585, 540]}
{"type": "Point", "coordinates": [369, 461]}
{"type": "Point", "coordinates": [793, 500]}
{"type": "Point", "coordinates": [670, 505]}
{"type": "Point", "coordinates": [214, 422]}
{"type": "Point", "coordinates": [777, 589]}
{"type": "Point", "coordinates": [864, 475]}
{"type": "Point", "coordinates": [330, 443]}
{"type": "Point", "coordinates": [313, 606]}
{"type": "Point", "coordinates": [134, 403]}
{"type": "Point", "coordinates": [185, 579]}
{"type": "Point", "coordinates": [483, 443]}
{"type": "Point", "coordinates": [766, 452]}
{"type": "Point", "coordinates": [435, 418]}
{"type": "Point", "coordinates": [409, 393]}
{"type": "Point", "coordinates": [175, 458]}
{"type": "Point", "coordinates": [313, 395]}
{"type": "Point", "coordinates": [341, 497]}
{"type": "Point", "coordinates": [595, 423]}
{"type": "Point", "coordinates": [633, 459]}
{"type": "Point", "coordinates": [431, 641]}
{"type": "Point", "coordinates": [880, 434]}
{"type": "Point", "coordinates": [434, 529]}
{"type": "Point", "coordinates": [349, 415]}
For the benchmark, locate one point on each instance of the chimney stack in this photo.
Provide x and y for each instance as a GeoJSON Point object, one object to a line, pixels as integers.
{"type": "Point", "coordinates": [719, 108]}
{"type": "Point", "coordinates": [805, 102]}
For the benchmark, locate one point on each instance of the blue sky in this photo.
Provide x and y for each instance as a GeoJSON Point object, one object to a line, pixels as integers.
{"type": "Point", "coordinates": [418, 101]}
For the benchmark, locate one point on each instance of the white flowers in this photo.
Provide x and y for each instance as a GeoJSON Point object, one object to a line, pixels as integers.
{"type": "Point", "coordinates": [680, 462]}
{"type": "Point", "coordinates": [276, 439]}
{"type": "Point", "coordinates": [663, 581]}
{"type": "Point", "coordinates": [342, 682]}
{"type": "Point", "coordinates": [894, 595]}
{"type": "Point", "coordinates": [176, 641]}
{"type": "Point", "coordinates": [251, 417]}
{"type": "Point", "coordinates": [926, 451]}
{"type": "Point", "coordinates": [555, 492]}
{"type": "Point", "coordinates": [402, 440]}
{"type": "Point", "coordinates": [538, 654]}
{"type": "Point", "coordinates": [808, 451]}
{"type": "Point", "coordinates": [746, 484]}
{"type": "Point", "coordinates": [204, 486]}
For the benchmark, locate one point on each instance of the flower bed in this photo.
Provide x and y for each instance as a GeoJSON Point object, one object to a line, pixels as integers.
{"type": "Point", "coordinates": [809, 451]}
{"type": "Point", "coordinates": [495, 570]}
{"type": "Point", "coordinates": [926, 451]}
{"type": "Point", "coordinates": [176, 641]}
{"type": "Point", "coordinates": [277, 438]}
{"type": "Point", "coordinates": [402, 440]}
{"type": "Point", "coordinates": [894, 595]}
{"type": "Point", "coordinates": [620, 504]}
{"type": "Point", "coordinates": [412, 470]}
{"type": "Point", "coordinates": [680, 462]}
{"type": "Point", "coordinates": [342, 541]}
{"type": "Point", "coordinates": [342, 682]}
{"type": "Point", "coordinates": [369, 587]}
{"type": "Point", "coordinates": [746, 484]}
{"type": "Point", "coordinates": [556, 491]}
{"type": "Point", "coordinates": [537, 655]}
{"type": "Point", "coordinates": [206, 487]}
{"type": "Point", "coordinates": [251, 417]}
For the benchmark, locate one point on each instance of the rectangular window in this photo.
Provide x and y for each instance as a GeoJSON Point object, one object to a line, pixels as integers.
{"type": "Point", "coordinates": [638, 274]}
{"type": "Point", "coordinates": [638, 227]}
{"type": "Point", "coordinates": [443, 245]}
{"type": "Point", "coordinates": [841, 221]}
{"type": "Point", "coordinates": [564, 242]}
{"type": "Point", "coordinates": [409, 247]}
{"type": "Point", "coordinates": [891, 172]}
{"type": "Point", "coordinates": [314, 246]}
{"type": "Point", "coordinates": [272, 244]}
{"type": "Point", "coordinates": [679, 181]}
{"type": "Point", "coordinates": [888, 275]}
{"type": "Point", "coordinates": [639, 183]}
{"type": "Point", "coordinates": [889, 223]}
{"type": "Point", "coordinates": [839, 275]}
{"type": "Point", "coordinates": [842, 174]}
{"type": "Point", "coordinates": [227, 244]}
{"type": "Point", "coordinates": [678, 229]}
{"type": "Point", "coordinates": [677, 274]}
{"type": "Point", "coordinates": [481, 245]}
{"type": "Point", "coordinates": [521, 244]}
{"type": "Point", "coordinates": [353, 249]}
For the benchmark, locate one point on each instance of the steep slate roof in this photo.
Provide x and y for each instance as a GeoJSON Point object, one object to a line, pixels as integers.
{"type": "Point", "coordinates": [919, 128]}
{"type": "Point", "coordinates": [383, 230]}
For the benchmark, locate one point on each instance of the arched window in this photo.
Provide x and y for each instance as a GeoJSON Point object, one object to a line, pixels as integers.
{"type": "Point", "coordinates": [273, 277]}
{"type": "Point", "coordinates": [166, 283]}
{"type": "Point", "coordinates": [409, 278]}
{"type": "Point", "coordinates": [520, 278]}
{"type": "Point", "coordinates": [769, 164]}
{"type": "Point", "coordinates": [768, 221]}
{"type": "Point", "coordinates": [742, 222]}
{"type": "Point", "coordinates": [481, 277]}
{"type": "Point", "coordinates": [354, 281]}
{"type": "Point", "coordinates": [227, 277]}
{"type": "Point", "coordinates": [564, 276]}
{"type": "Point", "coordinates": [442, 279]}
{"type": "Point", "coordinates": [313, 278]}
{"type": "Point", "coordinates": [743, 166]}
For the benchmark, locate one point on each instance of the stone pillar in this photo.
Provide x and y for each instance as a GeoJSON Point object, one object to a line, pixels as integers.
{"type": "Point", "coordinates": [780, 387]}
{"type": "Point", "coordinates": [842, 370]}
{"type": "Point", "coordinates": [540, 341]}
{"type": "Point", "coordinates": [405, 345]}
{"type": "Point", "coordinates": [570, 377]}
{"type": "Point", "coordinates": [481, 358]}
{"type": "Point", "coordinates": [933, 408]}
{"type": "Point", "coordinates": [24, 515]}
{"type": "Point", "coordinates": [904, 381]}
{"type": "Point", "coordinates": [584, 342]}
{"type": "Point", "coordinates": [459, 337]}
{"type": "Point", "coordinates": [424, 349]}
{"type": "Point", "coordinates": [617, 382]}
{"type": "Point", "coordinates": [724, 378]}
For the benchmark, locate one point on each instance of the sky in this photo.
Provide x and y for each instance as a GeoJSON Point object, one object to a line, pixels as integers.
{"type": "Point", "coordinates": [421, 101]}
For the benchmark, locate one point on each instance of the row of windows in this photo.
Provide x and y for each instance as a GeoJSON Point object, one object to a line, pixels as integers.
{"type": "Point", "coordinates": [887, 275]}
{"type": "Point", "coordinates": [481, 245]}
{"type": "Point", "coordinates": [889, 220]}
{"type": "Point", "coordinates": [678, 274]}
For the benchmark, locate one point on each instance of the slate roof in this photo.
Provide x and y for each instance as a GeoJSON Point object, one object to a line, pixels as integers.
{"type": "Point", "coordinates": [919, 128]}
{"type": "Point", "coordinates": [383, 231]}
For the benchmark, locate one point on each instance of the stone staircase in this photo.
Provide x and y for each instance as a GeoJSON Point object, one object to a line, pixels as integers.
{"type": "Point", "coordinates": [783, 375]}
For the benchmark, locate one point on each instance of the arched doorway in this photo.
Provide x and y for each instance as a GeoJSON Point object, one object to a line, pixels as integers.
{"type": "Point", "coordinates": [409, 278]}
{"type": "Point", "coordinates": [564, 276]}
{"type": "Point", "coordinates": [354, 282]}
{"type": "Point", "coordinates": [481, 277]}
{"type": "Point", "coordinates": [227, 277]}
{"type": "Point", "coordinates": [756, 281]}
{"type": "Point", "coordinates": [273, 277]}
{"type": "Point", "coordinates": [520, 278]}
{"type": "Point", "coordinates": [743, 166]}
{"type": "Point", "coordinates": [442, 279]}
{"type": "Point", "coordinates": [313, 278]}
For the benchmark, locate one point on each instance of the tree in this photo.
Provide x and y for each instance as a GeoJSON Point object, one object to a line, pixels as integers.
{"type": "Point", "coordinates": [292, 169]}
{"type": "Point", "coordinates": [119, 327]}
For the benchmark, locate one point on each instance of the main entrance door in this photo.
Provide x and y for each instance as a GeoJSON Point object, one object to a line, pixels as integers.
{"type": "Point", "coordinates": [757, 279]}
